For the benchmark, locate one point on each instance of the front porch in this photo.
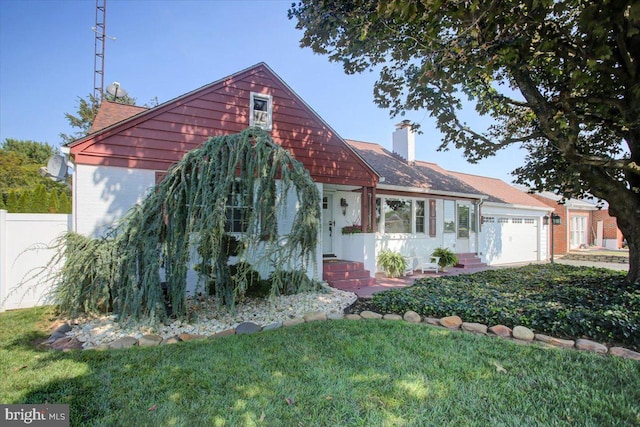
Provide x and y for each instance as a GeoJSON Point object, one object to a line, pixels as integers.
{"type": "Point", "coordinates": [353, 277]}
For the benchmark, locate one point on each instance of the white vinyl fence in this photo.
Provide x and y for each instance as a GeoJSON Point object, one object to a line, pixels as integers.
{"type": "Point", "coordinates": [25, 241]}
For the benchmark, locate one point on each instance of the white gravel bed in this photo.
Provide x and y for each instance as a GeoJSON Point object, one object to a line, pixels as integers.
{"type": "Point", "coordinates": [209, 319]}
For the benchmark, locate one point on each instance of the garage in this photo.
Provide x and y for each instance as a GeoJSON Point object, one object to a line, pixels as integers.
{"type": "Point", "coordinates": [509, 239]}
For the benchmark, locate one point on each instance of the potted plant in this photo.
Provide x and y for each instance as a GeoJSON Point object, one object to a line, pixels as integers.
{"type": "Point", "coordinates": [393, 263]}
{"type": "Point", "coordinates": [352, 229]}
{"type": "Point", "coordinates": [447, 257]}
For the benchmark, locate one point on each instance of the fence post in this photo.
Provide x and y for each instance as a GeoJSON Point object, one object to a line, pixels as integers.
{"type": "Point", "coordinates": [3, 259]}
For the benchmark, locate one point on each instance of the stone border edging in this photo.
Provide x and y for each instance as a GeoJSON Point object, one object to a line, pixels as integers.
{"type": "Point", "coordinates": [58, 340]}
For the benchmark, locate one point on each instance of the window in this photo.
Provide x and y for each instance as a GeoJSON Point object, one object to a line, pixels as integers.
{"type": "Point", "coordinates": [432, 218]}
{"type": "Point", "coordinates": [516, 220]}
{"type": "Point", "coordinates": [503, 220]}
{"type": "Point", "coordinates": [529, 221]}
{"type": "Point", "coordinates": [488, 219]}
{"type": "Point", "coordinates": [237, 209]}
{"type": "Point", "coordinates": [449, 216]}
{"type": "Point", "coordinates": [397, 215]}
{"type": "Point", "coordinates": [419, 216]}
{"type": "Point", "coordinates": [260, 115]}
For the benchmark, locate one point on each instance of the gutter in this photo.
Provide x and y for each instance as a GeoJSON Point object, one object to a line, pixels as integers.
{"type": "Point", "coordinates": [429, 191]}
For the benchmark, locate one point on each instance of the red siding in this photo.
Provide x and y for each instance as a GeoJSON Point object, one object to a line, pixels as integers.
{"type": "Point", "coordinates": [157, 139]}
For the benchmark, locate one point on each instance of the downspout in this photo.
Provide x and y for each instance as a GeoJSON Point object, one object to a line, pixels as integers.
{"type": "Point", "coordinates": [478, 223]}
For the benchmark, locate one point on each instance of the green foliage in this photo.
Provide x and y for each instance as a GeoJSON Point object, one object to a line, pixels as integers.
{"type": "Point", "coordinates": [558, 79]}
{"type": "Point", "coordinates": [90, 289]}
{"type": "Point", "coordinates": [559, 300]}
{"type": "Point", "coordinates": [22, 188]}
{"type": "Point", "coordinates": [32, 152]}
{"type": "Point", "coordinates": [393, 263]}
{"type": "Point", "coordinates": [187, 213]}
{"type": "Point", "coordinates": [447, 257]}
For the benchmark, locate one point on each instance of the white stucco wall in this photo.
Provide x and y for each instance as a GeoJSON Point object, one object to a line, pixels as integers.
{"type": "Point", "coordinates": [103, 194]}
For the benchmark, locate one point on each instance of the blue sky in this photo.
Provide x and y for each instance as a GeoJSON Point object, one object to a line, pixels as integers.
{"type": "Point", "coordinates": [166, 48]}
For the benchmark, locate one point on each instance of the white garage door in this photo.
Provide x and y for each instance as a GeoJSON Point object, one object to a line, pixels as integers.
{"type": "Point", "coordinates": [510, 239]}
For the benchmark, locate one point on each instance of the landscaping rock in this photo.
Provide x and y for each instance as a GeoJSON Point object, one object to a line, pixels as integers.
{"type": "Point", "coordinates": [62, 329]}
{"type": "Point", "coordinates": [172, 340]}
{"type": "Point", "coordinates": [501, 331]}
{"type": "Point", "coordinates": [66, 343]}
{"type": "Point", "coordinates": [555, 341]}
{"type": "Point", "coordinates": [451, 322]}
{"type": "Point", "coordinates": [272, 326]}
{"type": "Point", "coordinates": [55, 336]}
{"type": "Point", "coordinates": [335, 316]}
{"type": "Point", "coordinates": [191, 337]}
{"type": "Point", "coordinates": [293, 322]}
{"type": "Point", "coordinates": [412, 317]}
{"type": "Point", "coordinates": [624, 352]}
{"type": "Point", "coordinates": [124, 342]}
{"type": "Point", "coordinates": [477, 328]}
{"type": "Point", "coordinates": [391, 316]}
{"type": "Point", "coordinates": [370, 315]}
{"type": "Point", "coordinates": [588, 345]}
{"type": "Point", "coordinates": [432, 321]}
{"type": "Point", "coordinates": [225, 333]}
{"type": "Point", "coordinates": [314, 316]}
{"type": "Point", "coordinates": [149, 340]}
{"type": "Point", "coordinates": [247, 328]}
{"type": "Point", "coordinates": [523, 333]}
{"type": "Point", "coordinates": [352, 317]}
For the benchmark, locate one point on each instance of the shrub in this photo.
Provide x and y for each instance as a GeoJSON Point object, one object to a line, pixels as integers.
{"type": "Point", "coordinates": [447, 257]}
{"type": "Point", "coordinates": [393, 263]}
{"type": "Point", "coordinates": [560, 300]}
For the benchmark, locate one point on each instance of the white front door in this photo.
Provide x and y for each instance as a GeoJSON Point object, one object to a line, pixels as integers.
{"type": "Point", "coordinates": [328, 224]}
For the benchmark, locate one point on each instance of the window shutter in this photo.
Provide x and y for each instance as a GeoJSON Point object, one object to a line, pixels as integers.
{"type": "Point", "coordinates": [432, 218]}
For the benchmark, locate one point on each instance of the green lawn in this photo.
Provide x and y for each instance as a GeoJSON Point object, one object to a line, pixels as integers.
{"type": "Point", "coordinates": [334, 373]}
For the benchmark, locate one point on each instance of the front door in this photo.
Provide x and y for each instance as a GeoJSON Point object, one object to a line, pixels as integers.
{"type": "Point", "coordinates": [328, 224]}
{"type": "Point", "coordinates": [463, 227]}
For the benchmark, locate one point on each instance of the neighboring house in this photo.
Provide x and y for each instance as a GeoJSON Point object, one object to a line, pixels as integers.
{"type": "Point", "coordinates": [396, 202]}
{"type": "Point", "coordinates": [582, 224]}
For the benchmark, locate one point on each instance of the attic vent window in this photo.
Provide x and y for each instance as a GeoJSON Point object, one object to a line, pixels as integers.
{"type": "Point", "coordinates": [260, 111]}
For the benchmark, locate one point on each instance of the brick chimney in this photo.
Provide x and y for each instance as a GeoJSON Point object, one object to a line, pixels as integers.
{"type": "Point", "coordinates": [404, 141]}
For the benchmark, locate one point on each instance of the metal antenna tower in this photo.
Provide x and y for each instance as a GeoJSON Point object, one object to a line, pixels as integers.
{"type": "Point", "coordinates": [98, 62]}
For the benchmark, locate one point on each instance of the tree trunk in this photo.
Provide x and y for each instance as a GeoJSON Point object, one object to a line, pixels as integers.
{"type": "Point", "coordinates": [630, 227]}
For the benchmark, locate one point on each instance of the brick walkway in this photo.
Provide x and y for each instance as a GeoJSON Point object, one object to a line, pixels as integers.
{"type": "Point", "coordinates": [384, 283]}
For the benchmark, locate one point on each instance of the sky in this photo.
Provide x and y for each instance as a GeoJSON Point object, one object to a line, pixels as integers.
{"type": "Point", "coordinates": [163, 49]}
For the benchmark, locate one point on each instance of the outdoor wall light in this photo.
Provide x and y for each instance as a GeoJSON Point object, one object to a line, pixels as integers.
{"type": "Point", "coordinates": [344, 205]}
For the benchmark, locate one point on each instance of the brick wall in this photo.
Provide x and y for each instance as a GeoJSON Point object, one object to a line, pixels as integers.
{"type": "Point", "coordinates": [610, 230]}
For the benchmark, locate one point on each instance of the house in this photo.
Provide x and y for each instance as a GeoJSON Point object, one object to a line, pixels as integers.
{"type": "Point", "coordinates": [470, 214]}
{"type": "Point", "coordinates": [581, 224]}
{"type": "Point", "coordinates": [395, 202]}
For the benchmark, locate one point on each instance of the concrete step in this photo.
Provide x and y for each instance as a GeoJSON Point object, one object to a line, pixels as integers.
{"type": "Point", "coordinates": [342, 266]}
{"type": "Point", "coordinates": [353, 284]}
{"type": "Point", "coordinates": [344, 275]}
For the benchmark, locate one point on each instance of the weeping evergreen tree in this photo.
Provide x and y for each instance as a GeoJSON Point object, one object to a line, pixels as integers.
{"type": "Point", "coordinates": [184, 220]}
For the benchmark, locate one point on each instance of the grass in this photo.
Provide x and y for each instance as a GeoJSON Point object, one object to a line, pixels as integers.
{"type": "Point", "coordinates": [559, 300]}
{"type": "Point", "coordinates": [334, 373]}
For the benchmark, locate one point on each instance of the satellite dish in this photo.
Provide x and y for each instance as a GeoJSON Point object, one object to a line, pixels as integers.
{"type": "Point", "coordinates": [56, 169]}
{"type": "Point", "coordinates": [116, 91]}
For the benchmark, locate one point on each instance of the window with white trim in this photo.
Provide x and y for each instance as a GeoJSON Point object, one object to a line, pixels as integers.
{"type": "Point", "coordinates": [237, 209]}
{"type": "Point", "coordinates": [261, 110]}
